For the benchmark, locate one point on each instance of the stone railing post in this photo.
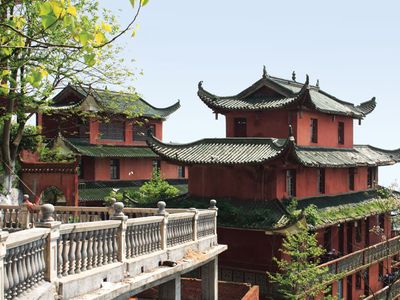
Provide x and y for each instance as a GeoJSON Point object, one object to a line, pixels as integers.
{"type": "Point", "coordinates": [3, 249]}
{"type": "Point", "coordinates": [118, 208]}
{"type": "Point", "coordinates": [162, 212]}
{"type": "Point", "coordinates": [213, 206]}
{"type": "Point", "coordinates": [25, 217]}
{"type": "Point", "coordinates": [195, 223]}
{"type": "Point", "coordinates": [47, 221]}
{"type": "Point", "coordinates": [110, 207]}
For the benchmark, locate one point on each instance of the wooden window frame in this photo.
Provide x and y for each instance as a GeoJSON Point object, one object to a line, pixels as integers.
{"type": "Point", "coordinates": [321, 181]}
{"type": "Point", "coordinates": [114, 169]}
{"type": "Point", "coordinates": [291, 183]}
{"type": "Point", "coordinates": [240, 127]}
{"type": "Point", "coordinates": [351, 175]}
{"type": "Point", "coordinates": [341, 135]}
{"type": "Point", "coordinates": [314, 130]}
{"type": "Point", "coordinates": [114, 131]}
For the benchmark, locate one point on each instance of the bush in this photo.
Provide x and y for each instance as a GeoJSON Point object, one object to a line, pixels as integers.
{"type": "Point", "coordinates": [154, 190]}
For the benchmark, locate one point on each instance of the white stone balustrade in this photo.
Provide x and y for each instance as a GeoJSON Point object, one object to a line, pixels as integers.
{"type": "Point", "coordinates": [61, 253]}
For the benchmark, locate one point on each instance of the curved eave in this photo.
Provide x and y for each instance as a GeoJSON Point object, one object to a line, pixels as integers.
{"type": "Point", "coordinates": [166, 151]}
{"type": "Point", "coordinates": [213, 102]}
{"type": "Point", "coordinates": [367, 107]}
{"type": "Point", "coordinates": [163, 112]}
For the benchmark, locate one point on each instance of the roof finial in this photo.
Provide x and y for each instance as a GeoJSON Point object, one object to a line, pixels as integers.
{"type": "Point", "coordinates": [317, 84]}
{"type": "Point", "coordinates": [294, 76]}
{"type": "Point", "coordinates": [200, 84]}
{"type": "Point", "coordinates": [265, 72]}
{"type": "Point", "coordinates": [307, 80]}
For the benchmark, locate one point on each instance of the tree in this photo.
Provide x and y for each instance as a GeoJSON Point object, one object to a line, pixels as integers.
{"type": "Point", "coordinates": [43, 46]}
{"type": "Point", "coordinates": [299, 274]}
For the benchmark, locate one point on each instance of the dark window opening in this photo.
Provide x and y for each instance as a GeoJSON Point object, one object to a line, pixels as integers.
{"type": "Point", "coordinates": [321, 181]}
{"type": "Point", "coordinates": [112, 131]}
{"type": "Point", "coordinates": [380, 271]}
{"type": "Point", "coordinates": [358, 280]}
{"type": "Point", "coordinates": [366, 282]}
{"type": "Point", "coordinates": [341, 239]}
{"type": "Point", "coordinates": [357, 224]}
{"type": "Point", "coordinates": [349, 229]}
{"type": "Point", "coordinates": [140, 131]}
{"type": "Point", "coordinates": [350, 287]}
{"type": "Point", "coordinates": [314, 130]}
{"type": "Point", "coordinates": [327, 239]}
{"type": "Point", "coordinates": [352, 172]}
{"type": "Point", "coordinates": [240, 127]}
{"type": "Point", "coordinates": [80, 169]}
{"type": "Point", "coordinates": [181, 171]}
{"type": "Point", "coordinates": [291, 183]}
{"type": "Point", "coordinates": [367, 232]}
{"type": "Point", "coordinates": [371, 178]}
{"type": "Point", "coordinates": [341, 133]}
{"type": "Point", "coordinates": [382, 221]}
{"type": "Point", "coordinates": [114, 168]}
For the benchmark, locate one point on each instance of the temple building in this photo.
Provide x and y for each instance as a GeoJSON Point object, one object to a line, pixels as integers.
{"type": "Point", "coordinates": [106, 132]}
{"type": "Point", "coordinates": [285, 140]}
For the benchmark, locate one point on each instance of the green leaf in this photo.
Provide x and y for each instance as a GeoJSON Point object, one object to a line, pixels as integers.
{"type": "Point", "coordinates": [45, 9]}
{"type": "Point", "coordinates": [132, 3]}
{"type": "Point", "coordinates": [48, 20]}
{"type": "Point", "coordinates": [84, 38]}
{"type": "Point", "coordinates": [89, 59]}
{"type": "Point", "coordinates": [144, 2]}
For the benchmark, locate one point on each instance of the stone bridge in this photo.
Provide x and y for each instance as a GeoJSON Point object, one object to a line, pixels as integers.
{"type": "Point", "coordinates": [52, 252]}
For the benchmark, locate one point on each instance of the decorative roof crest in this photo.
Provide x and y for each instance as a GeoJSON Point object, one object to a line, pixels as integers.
{"type": "Point", "coordinates": [265, 74]}
{"type": "Point", "coordinates": [294, 76]}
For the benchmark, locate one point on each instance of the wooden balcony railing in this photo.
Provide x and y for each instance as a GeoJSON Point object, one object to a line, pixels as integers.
{"type": "Point", "coordinates": [352, 262]}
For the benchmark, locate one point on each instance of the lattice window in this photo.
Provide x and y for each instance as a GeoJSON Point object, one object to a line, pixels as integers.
{"type": "Point", "coordinates": [314, 130]}
{"type": "Point", "coordinates": [112, 131]}
{"type": "Point", "coordinates": [114, 168]}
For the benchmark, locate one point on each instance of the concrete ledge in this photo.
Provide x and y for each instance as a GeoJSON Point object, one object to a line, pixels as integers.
{"type": "Point", "coordinates": [46, 291]}
{"type": "Point", "coordinates": [145, 263]}
{"type": "Point", "coordinates": [132, 286]}
{"type": "Point", "coordinates": [88, 281]}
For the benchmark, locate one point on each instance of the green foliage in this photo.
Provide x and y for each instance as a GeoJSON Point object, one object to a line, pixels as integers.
{"type": "Point", "coordinates": [54, 155]}
{"type": "Point", "coordinates": [299, 274]}
{"type": "Point", "coordinates": [114, 196]}
{"type": "Point", "coordinates": [31, 138]}
{"type": "Point", "coordinates": [384, 193]}
{"type": "Point", "coordinates": [312, 215]}
{"type": "Point", "coordinates": [156, 189]}
{"type": "Point", "coordinates": [293, 210]}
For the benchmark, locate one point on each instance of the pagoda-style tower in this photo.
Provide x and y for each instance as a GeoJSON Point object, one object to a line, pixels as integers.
{"type": "Point", "coordinates": [286, 140]}
{"type": "Point", "coordinates": [106, 132]}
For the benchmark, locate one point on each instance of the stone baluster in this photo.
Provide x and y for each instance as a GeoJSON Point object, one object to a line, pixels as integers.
{"type": "Point", "coordinates": [120, 233]}
{"type": "Point", "coordinates": [15, 272]}
{"type": "Point", "coordinates": [89, 250]}
{"type": "Point", "coordinates": [60, 257]}
{"type": "Point", "coordinates": [65, 238]}
{"type": "Point", "coordinates": [164, 232]}
{"type": "Point", "coordinates": [105, 246]}
{"type": "Point", "coordinates": [134, 241]}
{"type": "Point", "coordinates": [195, 223]}
{"type": "Point", "coordinates": [213, 206]}
{"type": "Point", "coordinates": [5, 267]}
{"type": "Point", "coordinates": [71, 254]}
{"type": "Point", "coordinates": [36, 262]}
{"type": "Point", "coordinates": [100, 247]}
{"type": "Point", "coordinates": [52, 251]}
{"type": "Point", "coordinates": [84, 251]}
{"type": "Point", "coordinates": [43, 245]}
{"type": "Point", "coordinates": [128, 242]}
{"type": "Point", "coordinates": [115, 244]}
{"type": "Point", "coordinates": [78, 251]}
{"type": "Point", "coordinates": [110, 245]}
{"type": "Point", "coordinates": [95, 247]}
{"type": "Point", "coordinates": [24, 274]}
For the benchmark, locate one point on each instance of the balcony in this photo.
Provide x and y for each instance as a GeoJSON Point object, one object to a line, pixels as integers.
{"type": "Point", "coordinates": [363, 258]}
{"type": "Point", "coordinates": [102, 253]}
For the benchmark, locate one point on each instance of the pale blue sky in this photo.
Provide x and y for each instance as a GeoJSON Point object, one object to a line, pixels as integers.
{"type": "Point", "coordinates": [352, 47]}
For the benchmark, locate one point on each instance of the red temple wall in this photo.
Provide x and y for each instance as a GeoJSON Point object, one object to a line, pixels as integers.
{"type": "Point", "coordinates": [261, 124]}
{"type": "Point", "coordinates": [327, 130]}
{"type": "Point", "coordinates": [246, 182]}
{"type": "Point", "coordinates": [130, 169]}
{"type": "Point", "coordinates": [248, 249]}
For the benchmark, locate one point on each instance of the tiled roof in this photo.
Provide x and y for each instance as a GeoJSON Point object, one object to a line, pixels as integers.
{"type": "Point", "coordinates": [289, 94]}
{"type": "Point", "coordinates": [259, 150]}
{"type": "Point", "coordinates": [360, 155]}
{"type": "Point", "coordinates": [273, 215]}
{"type": "Point", "coordinates": [114, 102]}
{"type": "Point", "coordinates": [221, 150]}
{"type": "Point", "coordinates": [252, 214]}
{"type": "Point", "coordinates": [350, 206]}
{"type": "Point", "coordinates": [84, 148]}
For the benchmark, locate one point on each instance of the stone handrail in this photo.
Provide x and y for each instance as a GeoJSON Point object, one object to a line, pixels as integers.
{"type": "Point", "coordinates": [393, 292]}
{"type": "Point", "coordinates": [17, 217]}
{"type": "Point", "coordinates": [24, 261]}
{"type": "Point", "coordinates": [55, 252]}
{"type": "Point", "coordinates": [354, 261]}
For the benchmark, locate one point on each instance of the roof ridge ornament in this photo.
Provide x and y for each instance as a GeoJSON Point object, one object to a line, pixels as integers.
{"type": "Point", "coordinates": [317, 84]}
{"type": "Point", "coordinates": [265, 74]}
{"type": "Point", "coordinates": [294, 76]}
{"type": "Point", "coordinates": [200, 85]}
